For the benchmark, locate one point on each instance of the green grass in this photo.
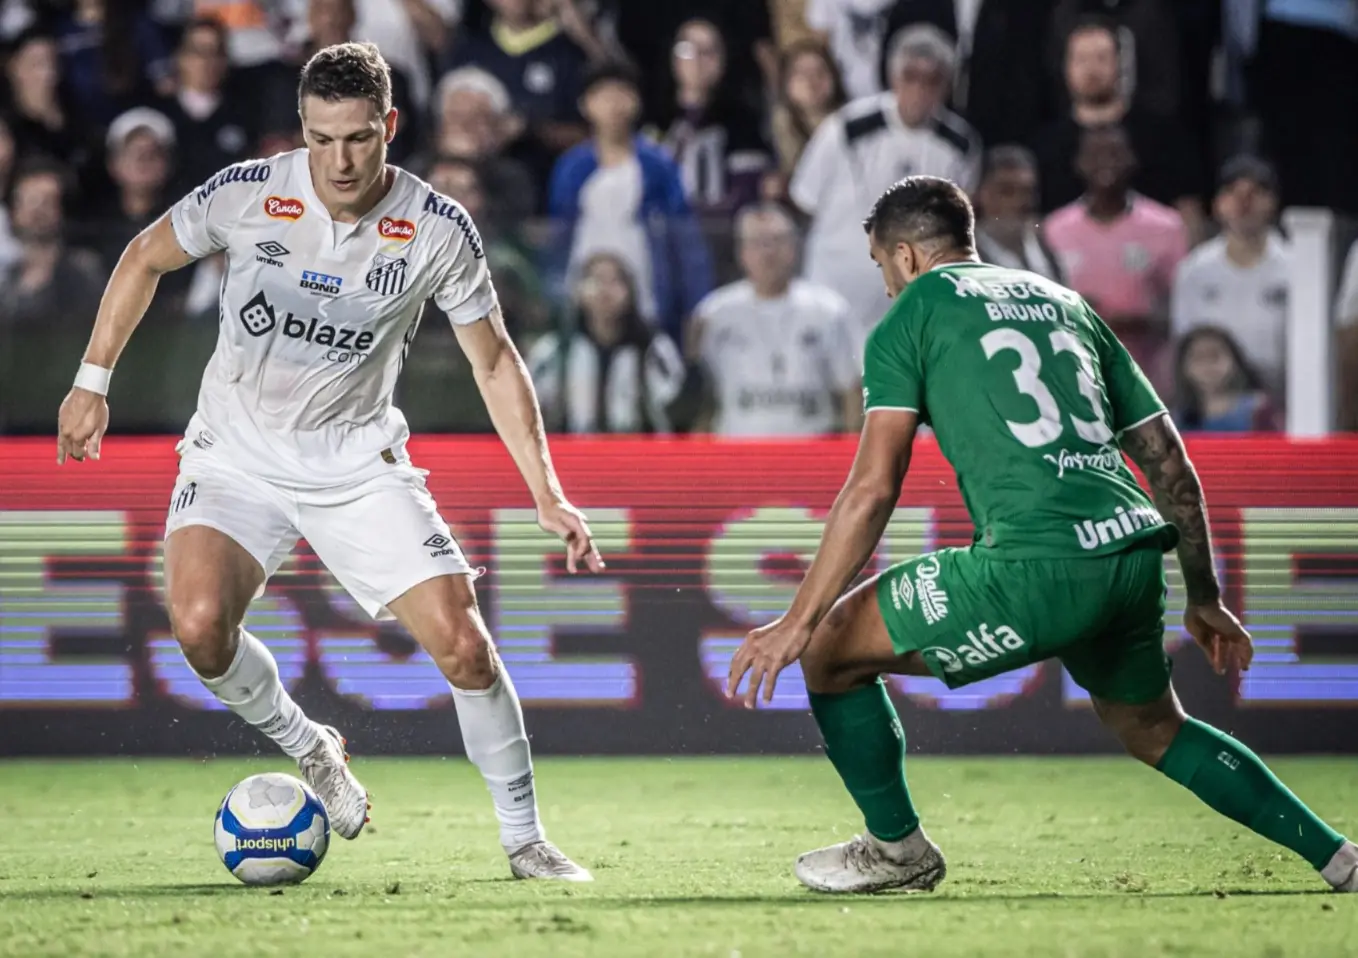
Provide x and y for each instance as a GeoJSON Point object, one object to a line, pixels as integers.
{"type": "Point", "coordinates": [1083, 857]}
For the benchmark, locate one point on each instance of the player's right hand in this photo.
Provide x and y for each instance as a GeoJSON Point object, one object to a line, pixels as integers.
{"type": "Point", "coordinates": [81, 425]}
{"type": "Point", "coordinates": [1220, 636]}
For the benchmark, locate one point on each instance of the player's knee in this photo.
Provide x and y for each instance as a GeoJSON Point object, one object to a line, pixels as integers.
{"type": "Point", "coordinates": [822, 663]}
{"type": "Point", "coordinates": [1145, 731]}
{"type": "Point", "coordinates": [464, 654]}
{"type": "Point", "coordinates": [204, 629]}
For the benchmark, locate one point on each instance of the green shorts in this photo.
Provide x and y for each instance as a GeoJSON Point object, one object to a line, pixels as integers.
{"type": "Point", "coordinates": [972, 616]}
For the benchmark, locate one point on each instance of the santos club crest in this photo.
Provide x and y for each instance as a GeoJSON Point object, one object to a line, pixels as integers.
{"type": "Point", "coordinates": [388, 275]}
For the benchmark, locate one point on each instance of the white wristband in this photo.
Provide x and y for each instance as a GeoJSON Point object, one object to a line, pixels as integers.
{"type": "Point", "coordinates": [94, 378]}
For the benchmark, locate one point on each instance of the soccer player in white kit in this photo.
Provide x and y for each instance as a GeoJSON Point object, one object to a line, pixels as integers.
{"type": "Point", "coordinates": [331, 255]}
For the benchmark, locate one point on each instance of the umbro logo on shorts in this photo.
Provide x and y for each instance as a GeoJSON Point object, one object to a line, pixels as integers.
{"type": "Point", "coordinates": [441, 544]}
{"type": "Point", "coordinates": [272, 251]}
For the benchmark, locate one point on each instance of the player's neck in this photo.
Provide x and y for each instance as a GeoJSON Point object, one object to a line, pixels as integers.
{"type": "Point", "coordinates": [342, 211]}
{"type": "Point", "coordinates": [1245, 249]}
{"type": "Point", "coordinates": [1109, 205]}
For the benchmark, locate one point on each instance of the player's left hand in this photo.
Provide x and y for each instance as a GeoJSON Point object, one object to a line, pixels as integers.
{"type": "Point", "coordinates": [568, 523]}
{"type": "Point", "coordinates": [764, 654]}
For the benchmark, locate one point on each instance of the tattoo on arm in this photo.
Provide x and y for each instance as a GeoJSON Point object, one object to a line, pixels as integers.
{"type": "Point", "coordinates": [1158, 450]}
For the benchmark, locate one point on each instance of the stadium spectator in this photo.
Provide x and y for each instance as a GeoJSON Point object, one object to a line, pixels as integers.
{"type": "Point", "coordinates": [1169, 172]}
{"type": "Point", "coordinates": [476, 121]}
{"type": "Point", "coordinates": [40, 121]}
{"type": "Point", "coordinates": [329, 22]}
{"type": "Point", "coordinates": [864, 148]}
{"type": "Point", "coordinates": [49, 282]}
{"type": "Point", "coordinates": [139, 146]}
{"type": "Point", "coordinates": [1216, 389]}
{"type": "Point", "coordinates": [1120, 249]}
{"type": "Point", "coordinates": [516, 274]}
{"type": "Point", "coordinates": [855, 32]}
{"type": "Point", "coordinates": [212, 130]}
{"type": "Point", "coordinates": [1006, 214]}
{"type": "Point", "coordinates": [1304, 82]}
{"type": "Point", "coordinates": [526, 49]}
{"type": "Point", "coordinates": [1239, 280]}
{"type": "Point", "coordinates": [255, 31]}
{"type": "Point", "coordinates": [1148, 32]}
{"type": "Point", "coordinates": [112, 57]}
{"type": "Point", "coordinates": [609, 370]}
{"type": "Point", "coordinates": [777, 352]}
{"type": "Point", "coordinates": [809, 91]}
{"type": "Point", "coordinates": [9, 246]}
{"type": "Point", "coordinates": [712, 136]}
{"type": "Point", "coordinates": [616, 192]}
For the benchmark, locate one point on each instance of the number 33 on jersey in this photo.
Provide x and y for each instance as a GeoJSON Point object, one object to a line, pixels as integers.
{"type": "Point", "coordinates": [1026, 390]}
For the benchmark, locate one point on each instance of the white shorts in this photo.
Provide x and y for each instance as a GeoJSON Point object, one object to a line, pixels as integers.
{"type": "Point", "coordinates": [378, 537]}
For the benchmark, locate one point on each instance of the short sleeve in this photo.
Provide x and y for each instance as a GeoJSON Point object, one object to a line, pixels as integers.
{"type": "Point", "coordinates": [1131, 397]}
{"type": "Point", "coordinates": [203, 220]}
{"type": "Point", "coordinates": [465, 292]}
{"type": "Point", "coordinates": [893, 373]}
{"type": "Point", "coordinates": [816, 169]}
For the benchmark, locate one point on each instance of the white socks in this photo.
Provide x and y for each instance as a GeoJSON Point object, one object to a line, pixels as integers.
{"type": "Point", "coordinates": [251, 688]}
{"type": "Point", "coordinates": [1342, 870]}
{"type": "Point", "coordinates": [496, 743]}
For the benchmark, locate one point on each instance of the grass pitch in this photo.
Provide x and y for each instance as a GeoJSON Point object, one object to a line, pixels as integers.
{"type": "Point", "coordinates": [1083, 857]}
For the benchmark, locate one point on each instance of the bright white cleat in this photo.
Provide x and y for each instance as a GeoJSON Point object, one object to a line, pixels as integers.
{"type": "Point", "coordinates": [545, 860]}
{"type": "Point", "coordinates": [326, 770]}
{"type": "Point", "coordinates": [867, 864]}
{"type": "Point", "coordinates": [1342, 871]}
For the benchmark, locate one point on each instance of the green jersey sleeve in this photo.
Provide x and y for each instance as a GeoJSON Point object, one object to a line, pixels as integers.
{"type": "Point", "coordinates": [893, 375]}
{"type": "Point", "coordinates": [1132, 398]}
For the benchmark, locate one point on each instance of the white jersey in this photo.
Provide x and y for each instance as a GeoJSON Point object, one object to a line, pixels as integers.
{"type": "Point", "coordinates": [777, 366]}
{"type": "Point", "coordinates": [853, 156]}
{"type": "Point", "coordinates": [316, 316]}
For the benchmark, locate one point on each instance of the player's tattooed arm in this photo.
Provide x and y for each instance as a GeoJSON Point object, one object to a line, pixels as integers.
{"type": "Point", "coordinates": [1159, 452]}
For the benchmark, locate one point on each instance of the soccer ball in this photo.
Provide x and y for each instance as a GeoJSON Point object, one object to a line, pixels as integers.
{"type": "Point", "coordinates": [271, 829]}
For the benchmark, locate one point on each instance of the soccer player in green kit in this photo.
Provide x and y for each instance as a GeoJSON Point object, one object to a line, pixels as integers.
{"type": "Point", "coordinates": [1033, 402]}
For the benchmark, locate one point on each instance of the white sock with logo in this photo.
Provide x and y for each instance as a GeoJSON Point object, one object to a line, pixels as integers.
{"type": "Point", "coordinates": [497, 744]}
{"type": "Point", "coordinates": [251, 688]}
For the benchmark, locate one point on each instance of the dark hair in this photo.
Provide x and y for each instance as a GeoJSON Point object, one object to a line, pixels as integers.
{"type": "Point", "coordinates": [610, 71]}
{"type": "Point", "coordinates": [1092, 23]}
{"type": "Point", "coordinates": [923, 209]}
{"type": "Point", "coordinates": [41, 165]}
{"type": "Point", "coordinates": [205, 23]}
{"type": "Point", "coordinates": [805, 47]}
{"type": "Point", "coordinates": [1186, 397]}
{"type": "Point", "coordinates": [1008, 156]}
{"type": "Point", "coordinates": [347, 71]}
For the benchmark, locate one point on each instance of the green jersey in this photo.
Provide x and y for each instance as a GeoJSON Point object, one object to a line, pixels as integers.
{"type": "Point", "coordinates": [1027, 391]}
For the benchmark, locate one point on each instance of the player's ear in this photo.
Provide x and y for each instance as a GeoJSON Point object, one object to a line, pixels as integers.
{"type": "Point", "coordinates": [390, 123]}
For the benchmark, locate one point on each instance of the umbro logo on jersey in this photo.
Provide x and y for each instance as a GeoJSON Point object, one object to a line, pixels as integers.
{"type": "Point", "coordinates": [402, 231]}
{"type": "Point", "coordinates": [321, 283]}
{"type": "Point", "coordinates": [388, 275]}
{"type": "Point", "coordinates": [284, 208]}
{"type": "Point", "coordinates": [272, 251]}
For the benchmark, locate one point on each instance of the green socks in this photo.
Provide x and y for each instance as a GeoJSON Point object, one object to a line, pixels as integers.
{"type": "Point", "coordinates": [865, 744]}
{"type": "Point", "coordinates": [1235, 782]}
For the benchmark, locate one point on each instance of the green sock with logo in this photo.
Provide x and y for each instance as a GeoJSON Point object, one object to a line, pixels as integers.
{"type": "Point", "coordinates": [1234, 781]}
{"type": "Point", "coordinates": [865, 744]}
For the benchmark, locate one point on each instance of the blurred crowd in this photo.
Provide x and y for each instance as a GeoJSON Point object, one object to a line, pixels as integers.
{"type": "Point", "coordinates": [671, 191]}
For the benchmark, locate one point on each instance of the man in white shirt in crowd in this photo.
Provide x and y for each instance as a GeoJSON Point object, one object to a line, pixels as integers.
{"type": "Point", "coordinates": [870, 144]}
{"type": "Point", "coordinates": [331, 255]}
{"type": "Point", "coordinates": [1239, 280]}
{"type": "Point", "coordinates": [778, 352]}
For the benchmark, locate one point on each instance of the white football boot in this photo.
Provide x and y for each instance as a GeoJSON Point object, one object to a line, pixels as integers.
{"type": "Point", "coordinates": [868, 864]}
{"type": "Point", "coordinates": [544, 860]}
{"type": "Point", "coordinates": [1342, 871]}
{"type": "Point", "coordinates": [326, 770]}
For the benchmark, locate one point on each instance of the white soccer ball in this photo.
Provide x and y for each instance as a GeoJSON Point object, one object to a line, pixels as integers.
{"type": "Point", "coordinates": [271, 829]}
